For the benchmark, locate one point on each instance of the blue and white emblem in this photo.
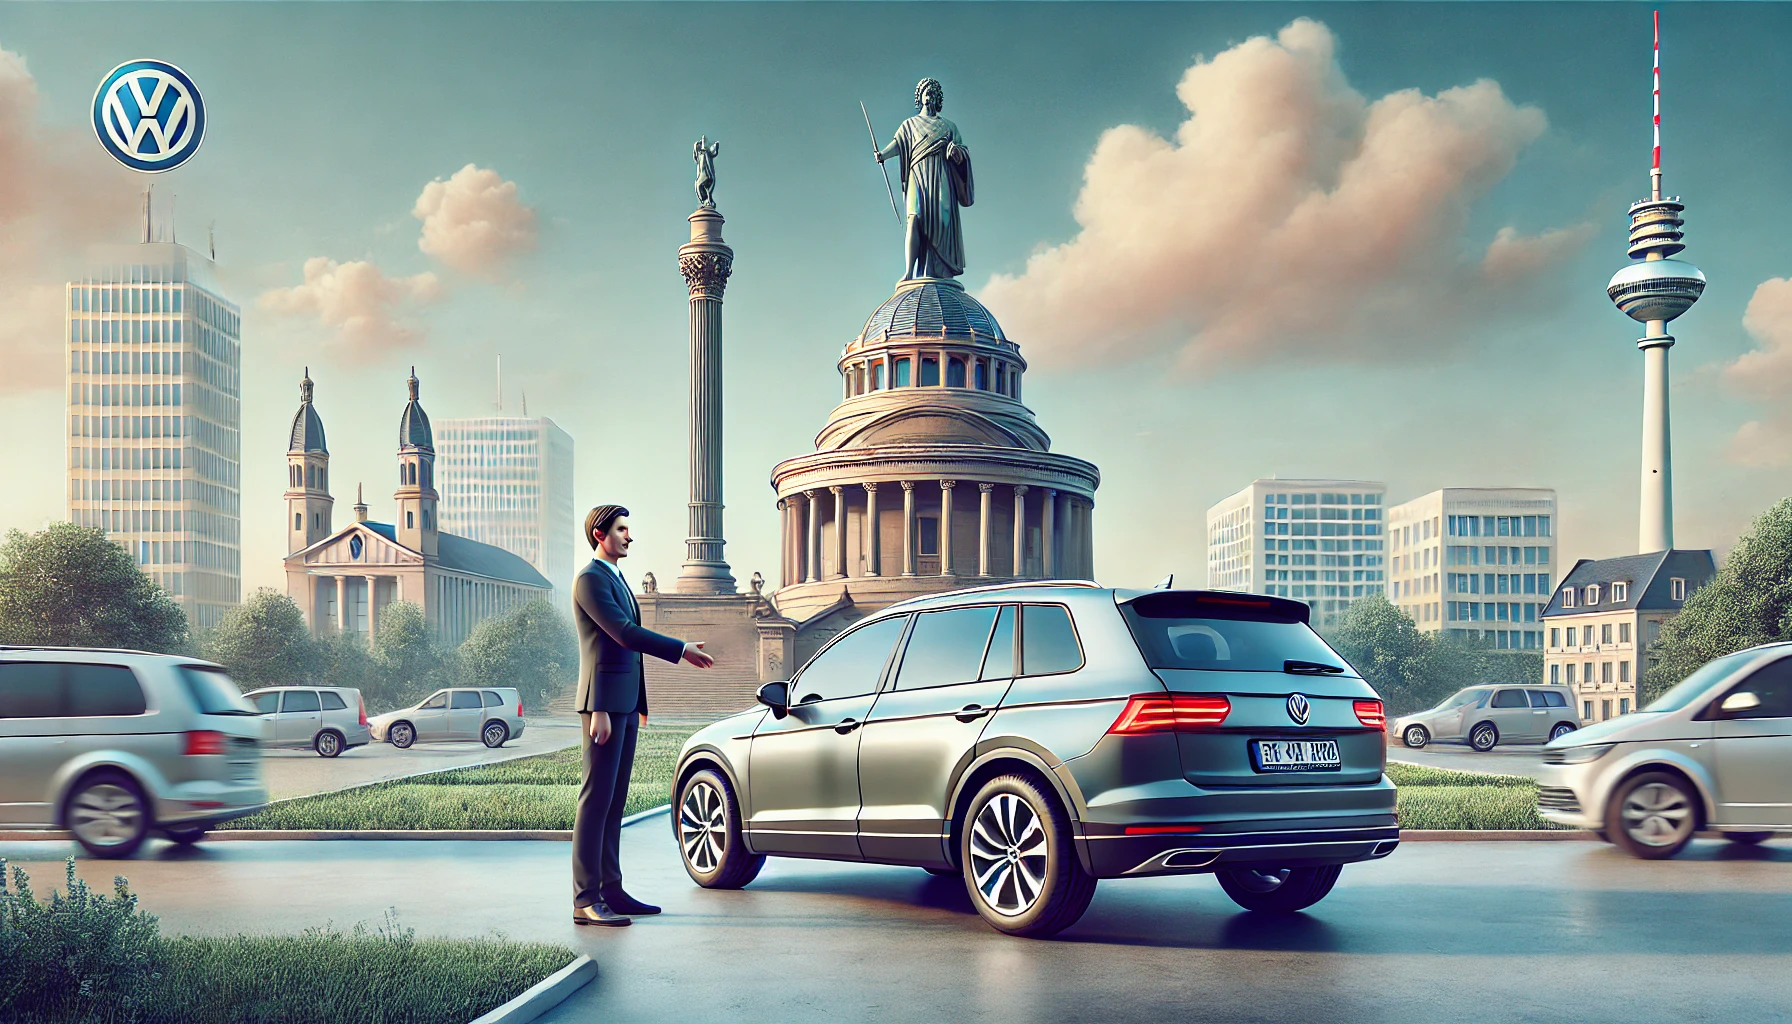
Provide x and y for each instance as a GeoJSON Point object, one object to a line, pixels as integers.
{"type": "Point", "coordinates": [1298, 708]}
{"type": "Point", "coordinates": [148, 115]}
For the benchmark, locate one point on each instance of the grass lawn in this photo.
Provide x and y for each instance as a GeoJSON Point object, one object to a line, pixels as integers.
{"type": "Point", "coordinates": [1444, 799]}
{"type": "Point", "coordinates": [527, 793]}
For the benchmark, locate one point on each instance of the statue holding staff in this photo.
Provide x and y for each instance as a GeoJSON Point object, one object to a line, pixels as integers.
{"type": "Point", "coordinates": [936, 181]}
{"type": "Point", "coordinates": [705, 153]}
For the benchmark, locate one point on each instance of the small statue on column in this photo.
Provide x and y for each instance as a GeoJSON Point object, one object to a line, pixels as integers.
{"type": "Point", "coordinates": [705, 153]}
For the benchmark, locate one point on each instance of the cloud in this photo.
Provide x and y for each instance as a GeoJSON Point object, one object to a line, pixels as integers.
{"type": "Point", "coordinates": [357, 300]}
{"type": "Point", "coordinates": [59, 194]}
{"type": "Point", "coordinates": [1287, 217]}
{"type": "Point", "coordinates": [1765, 375]}
{"type": "Point", "coordinates": [473, 222]}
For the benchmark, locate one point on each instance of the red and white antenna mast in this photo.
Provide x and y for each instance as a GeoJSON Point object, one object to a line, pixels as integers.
{"type": "Point", "coordinates": [1655, 169]}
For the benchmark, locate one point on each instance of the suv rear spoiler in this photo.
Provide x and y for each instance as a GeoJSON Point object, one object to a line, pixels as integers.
{"type": "Point", "coordinates": [1215, 604]}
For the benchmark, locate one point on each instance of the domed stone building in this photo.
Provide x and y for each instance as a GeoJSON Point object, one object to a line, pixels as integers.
{"type": "Point", "coordinates": [930, 475]}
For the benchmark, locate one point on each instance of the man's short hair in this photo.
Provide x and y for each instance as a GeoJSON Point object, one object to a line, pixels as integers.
{"type": "Point", "coordinates": [600, 519]}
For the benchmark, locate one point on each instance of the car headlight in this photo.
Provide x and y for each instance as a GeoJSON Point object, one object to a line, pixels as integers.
{"type": "Point", "coordinates": [1580, 754]}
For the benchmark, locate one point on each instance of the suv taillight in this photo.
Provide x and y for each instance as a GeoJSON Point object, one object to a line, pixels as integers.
{"type": "Point", "coordinates": [363, 702]}
{"type": "Point", "coordinates": [519, 707]}
{"type": "Point", "coordinates": [1371, 714]}
{"type": "Point", "coordinates": [1170, 713]}
{"type": "Point", "coordinates": [204, 742]}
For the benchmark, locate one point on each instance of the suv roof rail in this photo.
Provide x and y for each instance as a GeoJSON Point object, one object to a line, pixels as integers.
{"type": "Point", "coordinates": [988, 587]}
{"type": "Point", "coordinates": [88, 650]}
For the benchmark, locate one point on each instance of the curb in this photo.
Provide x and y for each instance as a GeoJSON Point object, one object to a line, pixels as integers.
{"type": "Point", "coordinates": [1513, 835]}
{"type": "Point", "coordinates": [543, 996]}
{"type": "Point", "coordinates": [644, 815]}
{"type": "Point", "coordinates": [387, 834]}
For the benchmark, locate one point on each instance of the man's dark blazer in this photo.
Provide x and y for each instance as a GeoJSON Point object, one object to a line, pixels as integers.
{"type": "Point", "coordinates": [611, 642]}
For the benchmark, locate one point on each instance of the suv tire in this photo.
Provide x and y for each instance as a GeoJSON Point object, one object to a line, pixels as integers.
{"type": "Point", "coordinates": [1748, 838]}
{"type": "Point", "coordinates": [706, 825]}
{"type": "Point", "coordinates": [1019, 861]}
{"type": "Point", "coordinates": [1278, 890]}
{"type": "Point", "coordinates": [494, 734]}
{"type": "Point", "coordinates": [327, 743]}
{"type": "Point", "coordinates": [401, 734]}
{"type": "Point", "coordinates": [1415, 737]}
{"type": "Point", "coordinates": [185, 835]}
{"type": "Point", "coordinates": [1483, 737]}
{"type": "Point", "coordinates": [1562, 729]}
{"type": "Point", "coordinates": [1652, 815]}
{"type": "Point", "coordinates": [107, 814]}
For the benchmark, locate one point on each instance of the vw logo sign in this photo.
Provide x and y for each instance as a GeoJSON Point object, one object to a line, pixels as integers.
{"type": "Point", "coordinates": [148, 115]}
{"type": "Point", "coordinates": [1298, 708]}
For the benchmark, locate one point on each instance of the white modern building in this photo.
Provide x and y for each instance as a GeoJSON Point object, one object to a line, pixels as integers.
{"type": "Point", "coordinates": [1317, 541]}
{"type": "Point", "coordinates": [1478, 561]}
{"type": "Point", "coordinates": [154, 419]}
{"type": "Point", "coordinates": [508, 481]}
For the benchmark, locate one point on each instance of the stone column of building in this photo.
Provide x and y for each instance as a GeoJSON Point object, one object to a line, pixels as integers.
{"type": "Point", "coordinates": [1048, 558]}
{"type": "Point", "coordinates": [784, 542]}
{"type": "Point", "coordinates": [342, 620]}
{"type": "Point", "coordinates": [946, 526]}
{"type": "Point", "coordinates": [840, 531]}
{"type": "Point", "coordinates": [706, 263]}
{"type": "Point", "coordinates": [908, 527]}
{"type": "Point", "coordinates": [872, 568]}
{"type": "Point", "coordinates": [985, 499]}
{"type": "Point", "coordinates": [372, 592]}
{"type": "Point", "coordinates": [1020, 532]}
{"type": "Point", "coordinates": [813, 555]}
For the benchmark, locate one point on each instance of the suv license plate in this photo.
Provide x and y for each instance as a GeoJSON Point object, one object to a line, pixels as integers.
{"type": "Point", "coordinates": [1295, 755]}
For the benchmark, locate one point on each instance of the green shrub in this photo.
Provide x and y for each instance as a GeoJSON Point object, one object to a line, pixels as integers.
{"type": "Point", "coordinates": [1404, 775]}
{"type": "Point", "coordinates": [1470, 807]}
{"type": "Point", "coordinates": [75, 955]}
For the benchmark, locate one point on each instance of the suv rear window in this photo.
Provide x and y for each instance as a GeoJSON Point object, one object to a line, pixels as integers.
{"type": "Point", "coordinates": [492, 700]}
{"type": "Point", "coordinates": [1182, 631]}
{"type": "Point", "coordinates": [332, 700]}
{"type": "Point", "coordinates": [213, 692]}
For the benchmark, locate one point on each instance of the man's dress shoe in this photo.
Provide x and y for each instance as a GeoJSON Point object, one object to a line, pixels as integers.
{"type": "Point", "coordinates": [623, 903]}
{"type": "Point", "coordinates": [599, 914]}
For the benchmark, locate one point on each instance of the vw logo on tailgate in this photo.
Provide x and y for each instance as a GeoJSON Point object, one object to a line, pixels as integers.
{"type": "Point", "coordinates": [1298, 708]}
{"type": "Point", "coordinates": [148, 115]}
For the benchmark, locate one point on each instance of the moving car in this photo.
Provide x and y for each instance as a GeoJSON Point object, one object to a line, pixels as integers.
{"type": "Point", "coordinates": [1484, 716]}
{"type": "Point", "coordinates": [1033, 738]}
{"type": "Point", "coordinates": [115, 746]}
{"type": "Point", "coordinates": [1712, 754]}
{"type": "Point", "coordinates": [327, 719]}
{"type": "Point", "coordinates": [491, 714]}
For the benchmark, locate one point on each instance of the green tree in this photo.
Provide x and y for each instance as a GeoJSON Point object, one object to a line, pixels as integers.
{"type": "Point", "coordinates": [68, 586]}
{"type": "Point", "coordinates": [407, 663]}
{"type": "Point", "coordinates": [339, 660]}
{"type": "Point", "coordinates": [531, 648]}
{"type": "Point", "coordinates": [1748, 602]}
{"type": "Point", "coordinates": [1381, 642]}
{"type": "Point", "coordinates": [263, 641]}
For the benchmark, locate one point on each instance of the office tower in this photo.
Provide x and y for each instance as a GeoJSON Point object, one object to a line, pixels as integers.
{"type": "Point", "coordinates": [508, 481]}
{"type": "Point", "coordinates": [1478, 561]}
{"type": "Point", "coordinates": [1317, 541]}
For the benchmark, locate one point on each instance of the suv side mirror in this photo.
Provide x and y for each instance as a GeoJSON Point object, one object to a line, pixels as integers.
{"type": "Point", "coordinates": [777, 697]}
{"type": "Point", "coordinates": [1743, 701]}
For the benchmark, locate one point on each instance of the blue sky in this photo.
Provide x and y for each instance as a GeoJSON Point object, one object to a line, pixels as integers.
{"type": "Point", "coordinates": [327, 121]}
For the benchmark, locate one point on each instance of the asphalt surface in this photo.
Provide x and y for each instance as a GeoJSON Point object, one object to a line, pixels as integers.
{"type": "Point", "coordinates": [291, 773]}
{"type": "Point", "coordinates": [1447, 932]}
{"type": "Point", "coordinates": [1523, 760]}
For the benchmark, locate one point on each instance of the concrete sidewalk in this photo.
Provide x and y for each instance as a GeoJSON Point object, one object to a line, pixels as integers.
{"type": "Point", "coordinates": [1437, 932]}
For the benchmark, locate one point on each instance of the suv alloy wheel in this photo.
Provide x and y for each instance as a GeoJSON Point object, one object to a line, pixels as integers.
{"type": "Point", "coordinates": [1483, 737]}
{"type": "Point", "coordinates": [1019, 863]}
{"type": "Point", "coordinates": [494, 734]}
{"type": "Point", "coordinates": [108, 815]}
{"type": "Point", "coordinates": [707, 826]}
{"type": "Point", "coordinates": [1652, 816]}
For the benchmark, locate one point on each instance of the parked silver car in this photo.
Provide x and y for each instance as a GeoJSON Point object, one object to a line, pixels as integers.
{"type": "Point", "coordinates": [1484, 716]}
{"type": "Point", "coordinates": [118, 745]}
{"type": "Point", "coordinates": [490, 714]}
{"type": "Point", "coordinates": [1713, 753]}
{"type": "Point", "coordinates": [327, 719]}
{"type": "Point", "coordinates": [1033, 738]}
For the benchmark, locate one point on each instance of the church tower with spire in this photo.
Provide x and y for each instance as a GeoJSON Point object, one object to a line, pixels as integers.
{"type": "Point", "coordinates": [308, 502]}
{"type": "Point", "coordinates": [415, 525]}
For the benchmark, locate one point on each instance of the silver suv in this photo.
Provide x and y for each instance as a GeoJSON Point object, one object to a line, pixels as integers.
{"type": "Point", "coordinates": [1713, 753]}
{"type": "Point", "coordinates": [1485, 716]}
{"type": "Point", "coordinates": [117, 745]}
{"type": "Point", "coordinates": [327, 719]}
{"type": "Point", "coordinates": [490, 714]}
{"type": "Point", "coordinates": [1033, 738]}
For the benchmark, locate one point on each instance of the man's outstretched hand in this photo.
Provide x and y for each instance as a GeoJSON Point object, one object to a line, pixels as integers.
{"type": "Point", "coordinates": [693, 653]}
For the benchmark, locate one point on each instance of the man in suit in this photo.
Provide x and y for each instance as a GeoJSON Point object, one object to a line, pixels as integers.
{"type": "Point", "coordinates": [612, 703]}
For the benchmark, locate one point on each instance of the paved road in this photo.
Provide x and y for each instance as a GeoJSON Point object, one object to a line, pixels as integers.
{"type": "Point", "coordinates": [292, 773]}
{"type": "Point", "coordinates": [1501, 760]}
{"type": "Point", "coordinates": [1438, 932]}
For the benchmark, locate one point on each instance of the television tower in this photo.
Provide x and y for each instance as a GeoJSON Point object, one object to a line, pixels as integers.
{"type": "Point", "coordinates": [1654, 291]}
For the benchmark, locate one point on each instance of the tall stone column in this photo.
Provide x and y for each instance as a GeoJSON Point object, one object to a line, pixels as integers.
{"type": "Point", "coordinates": [946, 526]}
{"type": "Point", "coordinates": [908, 527]}
{"type": "Point", "coordinates": [813, 557]}
{"type": "Point", "coordinates": [1048, 514]}
{"type": "Point", "coordinates": [706, 263]}
{"type": "Point", "coordinates": [985, 494]}
{"type": "Point", "coordinates": [873, 537]}
{"type": "Point", "coordinates": [1020, 532]}
{"type": "Point", "coordinates": [840, 531]}
{"type": "Point", "coordinates": [784, 543]}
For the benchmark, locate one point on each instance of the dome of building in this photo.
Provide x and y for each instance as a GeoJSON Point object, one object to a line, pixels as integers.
{"type": "Point", "coordinates": [413, 426]}
{"type": "Point", "coordinates": [307, 427]}
{"type": "Point", "coordinates": [931, 309]}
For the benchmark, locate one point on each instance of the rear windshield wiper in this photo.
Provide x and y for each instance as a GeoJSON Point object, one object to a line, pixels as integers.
{"type": "Point", "coordinates": [1310, 668]}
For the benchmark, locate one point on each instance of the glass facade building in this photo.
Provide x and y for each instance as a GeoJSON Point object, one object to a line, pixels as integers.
{"type": "Point", "coordinates": [1478, 561]}
{"type": "Point", "coordinates": [507, 481]}
{"type": "Point", "coordinates": [1322, 542]}
{"type": "Point", "coordinates": [154, 370]}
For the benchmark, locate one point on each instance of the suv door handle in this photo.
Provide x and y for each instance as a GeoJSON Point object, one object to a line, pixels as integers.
{"type": "Point", "coordinates": [846, 725]}
{"type": "Point", "coordinates": [970, 712]}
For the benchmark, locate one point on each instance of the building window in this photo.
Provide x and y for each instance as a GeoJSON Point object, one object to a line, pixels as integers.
{"type": "Point", "coordinates": [1623, 632]}
{"type": "Point", "coordinates": [1605, 709]}
{"type": "Point", "coordinates": [930, 372]}
{"type": "Point", "coordinates": [1568, 598]}
{"type": "Point", "coordinates": [982, 376]}
{"type": "Point", "coordinates": [1620, 592]}
{"type": "Point", "coordinates": [410, 520]}
{"type": "Point", "coordinates": [1572, 633]}
{"type": "Point", "coordinates": [1570, 674]}
{"type": "Point", "coordinates": [1623, 671]}
{"type": "Point", "coordinates": [1605, 633]}
{"type": "Point", "coordinates": [901, 376]}
{"type": "Point", "coordinates": [1555, 675]}
{"type": "Point", "coordinates": [928, 529]}
{"type": "Point", "coordinates": [298, 520]}
{"type": "Point", "coordinates": [1677, 589]}
{"type": "Point", "coordinates": [877, 376]}
{"type": "Point", "coordinates": [1605, 671]}
{"type": "Point", "coordinates": [1586, 711]}
{"type": "Point", "coordinates": [1586, 672]}
{"type": "Point", "coordinates": [1555, 636]}
{"type": "Point", "coordinates": [955, 373]}
{"type": "Point", "coordinates": [1593, 594]}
